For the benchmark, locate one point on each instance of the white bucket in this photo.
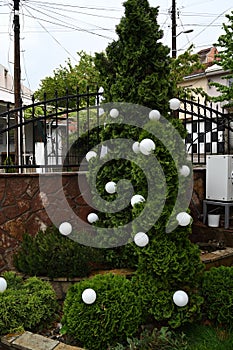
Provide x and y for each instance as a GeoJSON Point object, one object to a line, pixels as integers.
{"type": "Point", "coordinates": [213, 220]}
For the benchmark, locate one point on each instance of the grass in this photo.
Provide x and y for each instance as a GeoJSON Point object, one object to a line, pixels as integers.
{"type": "Point", "coordinates": [201, 337]}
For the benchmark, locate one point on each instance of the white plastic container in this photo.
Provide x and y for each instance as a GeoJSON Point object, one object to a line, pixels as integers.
{"type": "Point", "coordinates": [213, 220]}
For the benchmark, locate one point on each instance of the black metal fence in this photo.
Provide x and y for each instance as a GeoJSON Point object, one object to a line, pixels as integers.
{"type": "Point", "coordinates": [209, 129]}
{"type": "Point", "coordinates": [54, 134]}
{"type": "Point", "coordinates": [50, 135]}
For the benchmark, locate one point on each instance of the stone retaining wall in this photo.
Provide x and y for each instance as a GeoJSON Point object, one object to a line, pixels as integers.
{"type": "Point", "coordinates": [23, 205]}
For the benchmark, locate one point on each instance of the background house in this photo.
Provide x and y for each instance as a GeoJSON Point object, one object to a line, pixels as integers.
{"type": "Point", "coordinates": [206, 129]}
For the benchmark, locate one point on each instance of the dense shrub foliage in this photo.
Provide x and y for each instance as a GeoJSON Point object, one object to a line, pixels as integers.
{"type": "Point", "coordinates": [53, 255]}
{"type": "Point", "coordinates": [115, 315]}
{"type": "Point", "coordinates": [28, 305]}
{"type": "Point", "coordinates": [217, 290]}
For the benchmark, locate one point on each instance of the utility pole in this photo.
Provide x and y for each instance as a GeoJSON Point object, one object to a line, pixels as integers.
{"type": "Point", "coordinates": [17, 70]}
{"type": "Point", "coordinates": [174, 51]}
{"type": "Point", "coordinates": [17, 74]}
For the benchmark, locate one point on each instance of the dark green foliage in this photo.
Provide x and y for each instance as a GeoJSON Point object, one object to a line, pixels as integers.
{"type": "Point", "coordinates": [28, 305]}
{"type": "Point", "coordinates": [115, 315]}
{"type": "Point", "coordinates": [53, 255]}
{"type": "Point", "coordinates": [217, 290]}
{"type": "Point", "coordinates": [175, 265]}
{"type": "Point", "coordinates": [135, 67]}
{"type": "Point", "coordinates": [224, 59]}
{"type": "Point", "coordinates": [162, 339]}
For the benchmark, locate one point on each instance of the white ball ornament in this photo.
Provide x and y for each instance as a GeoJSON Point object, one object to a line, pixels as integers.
{"type": "Point", "coordinates": [101, 111]}
{"type": "Point", "coordinates": [65, 228]}
{"type": "Point", "coordinates": [3, 285]}
{"type": "Point", "coordinates": [136, 147]}
{"type": "Point", "coordinates": [180, 298]}
{"type": "Point", "coordinates": [183, 218]}
{"type": "Point", "coordinates": [141, 239]}
{"type": "Point", "coordinates": [147, 146]}
{"type": "Point", "coordinates": [154, 115]}
{"type": "Point", "coordinates": [137, 198]}
{"type": "Point", "coordinates": [92, 217]}
{"type": "Point", "coordinates": [89, 296]}
{"type": "Point", "coordinates": [90, 154]}
{"type": "Point", "coordinates": [174, 104]}
{"type": "Point", "coordinates": [110, 187]}
{"type": "Point", "coordinates": [114, 113]}
{"type": "Point", "coordinates": [185, 170]}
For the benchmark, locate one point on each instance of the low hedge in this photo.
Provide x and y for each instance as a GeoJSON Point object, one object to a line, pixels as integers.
{"type": "Point", "coordinates": [51, 254]}
{"type": "Point", "coordinates": [217, 290]}
{"type": "Point", "coordinates": [26, 305]}
{"type": "Point", "coordinates": [115, 315]}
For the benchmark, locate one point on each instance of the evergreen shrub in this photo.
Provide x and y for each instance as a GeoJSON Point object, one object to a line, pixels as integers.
{"type": "Point", "coordinates": [217, 290]}
{"type": "Point", "coordinates": [51, 254]}
{"type": "Point", "coordinates": [26, 305]}
{"type": "Point", "coordinates": [114, 316]}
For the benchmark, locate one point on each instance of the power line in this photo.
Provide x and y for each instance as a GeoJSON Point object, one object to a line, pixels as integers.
{"type": "Point", "coordinates": [110, 9]}
{"type": "Point", "coordinates": [78, 12]}
{"type": "Point", "coordinates": [54, 38]}
{"type": "Point", "coordinates": [64, 24]}
{"type": "Point", "coordinates": [68, 17]}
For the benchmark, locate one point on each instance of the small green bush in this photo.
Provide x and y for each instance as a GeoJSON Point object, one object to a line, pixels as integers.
{"type": "Point", "coordinates": [28, 305]}
{"type": "Point", "coordinates": [114, 316]}
{"type": "Point", "coordinates": [162, 339]}
{"type": "Point", "coordinates": [53, 255]}
{"type": "Point", "coordinates": [217, 291]}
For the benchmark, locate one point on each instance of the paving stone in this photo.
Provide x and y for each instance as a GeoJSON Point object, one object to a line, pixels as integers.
{"type": "Point", "coordinates": [62, 346]}
{"type": "Point", "coordinates": [9, 338]}
{"type": "Point", "coordinates": [30, 341]}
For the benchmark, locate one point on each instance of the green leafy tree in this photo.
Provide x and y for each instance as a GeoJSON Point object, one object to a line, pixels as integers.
{"type": "Point", "coordinates": [69, 77]}
{"type": "Point", "coordinates": [184, 65]}
{"type": "Point", "coordinates": [225, 60]}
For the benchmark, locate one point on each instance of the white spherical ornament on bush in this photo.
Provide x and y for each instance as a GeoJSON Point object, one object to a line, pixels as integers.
{"type": "Point", "coordinates": [101, 111]}
{"type": "Point", "coordinates": [65, 228]}
{"type": "Point", "coordinates": [3, 285]}
{"type": "Point", "coordinates": [180, 298]}
{"type": "Point", "coordinates": [110, 187]}
{"type": "Point", "coordinates": [136, 147]}
{"type": "Point", "coordinates": [137, 198]}
{"type": "Point", "coordinates": [114, 113]}
{"type": "Point", "coordinates": [147, 146]}
{"type": "Point", "coordinates": [90, 154]}
{"type": "Point", "coordinates": [154, 115]}
{"type": "Point", "coordinates": [92, 217]}
{"type": "Point", "coordinates": [174, 104]}
{"type": "Point", "coordinates": [185, 170]}
{"type": "Point", "coordinates": [183, 218]}
{"type": "Point", "coordinates": [89, 296]}
{"type": "Point", "coordinates": [141, 239]}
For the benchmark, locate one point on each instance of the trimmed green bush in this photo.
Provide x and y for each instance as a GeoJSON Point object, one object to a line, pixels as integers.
{"type": "Point", "coordinates": [162, 339]}
{"type": "Point", "coordinates": [53, 255]}
{"type": "Point", "coordinates": [28, 305]}
{"type": "Point", "coordinates": [115, 315]}
{"type": "Point", "coordinates": [217, 290]}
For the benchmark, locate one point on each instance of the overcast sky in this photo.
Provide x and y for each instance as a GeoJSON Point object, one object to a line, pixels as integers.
{"type": "Point", "coordinates": [52, 31]}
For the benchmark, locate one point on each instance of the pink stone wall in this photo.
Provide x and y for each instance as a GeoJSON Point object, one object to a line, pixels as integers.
{"type": "Point", "coordinates": [22, 206]}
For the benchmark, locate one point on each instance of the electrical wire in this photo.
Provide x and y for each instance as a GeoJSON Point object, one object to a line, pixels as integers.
{"type": "Point", "coordinates": [209, 25]}
{"type": "Point", "coordinates": [78, 12]}
{"type": "Point", "coordinates": [63, 23]}
{"type": "Point", "coordinates": [68, 17]}
{"type": "Point", "coordinates": [52, 36]}
{"type": "Point", "coordinates": [75, 6]}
